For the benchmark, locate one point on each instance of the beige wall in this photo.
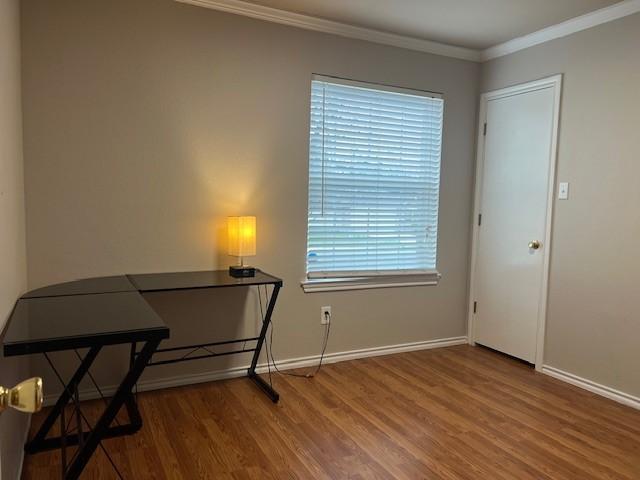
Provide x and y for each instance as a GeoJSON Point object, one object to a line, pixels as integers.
{"type": "Point", "coordinates": [593, 328]}
{"type": "Point", "coordinates": [148, 122]}
{"type": "Point", "coordinates": [13, 280]}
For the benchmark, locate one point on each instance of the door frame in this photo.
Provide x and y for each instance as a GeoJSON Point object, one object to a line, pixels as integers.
{"type": "Point", "coordinates": [555, 82]}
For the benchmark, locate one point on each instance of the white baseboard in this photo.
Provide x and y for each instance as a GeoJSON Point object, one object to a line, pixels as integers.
{"type": "Point", "coordinates": [288, 364]}
{"type": "Point", "coordinates": [603, 390]}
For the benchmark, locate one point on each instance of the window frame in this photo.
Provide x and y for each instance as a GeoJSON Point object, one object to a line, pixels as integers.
{"type": "Point", "coordinates": [356, 280]}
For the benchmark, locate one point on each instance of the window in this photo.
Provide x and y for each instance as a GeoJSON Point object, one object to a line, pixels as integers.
{"type": "Point", "coordinates": [374, 176]}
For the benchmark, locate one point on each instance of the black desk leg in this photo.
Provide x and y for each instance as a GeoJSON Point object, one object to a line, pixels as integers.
{"type": "Point", "coordinates": [264, 386]}
{"type": "Point", "coordinates": [122, 395]}
{"type": "Point", "coordinates": [39, 442]}
{"type": "Point", "coordinates": [131, 403]}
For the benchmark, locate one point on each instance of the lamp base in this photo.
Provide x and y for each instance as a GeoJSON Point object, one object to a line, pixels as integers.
{"type": "Point", "coordinates": [238, 271]}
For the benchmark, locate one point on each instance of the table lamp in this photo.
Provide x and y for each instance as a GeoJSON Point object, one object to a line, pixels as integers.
{"type": "Point", "coordinates": [242, 243]}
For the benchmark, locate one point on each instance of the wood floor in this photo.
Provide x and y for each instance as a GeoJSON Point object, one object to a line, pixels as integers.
{"type": "Point", "coordinates": [452, 413]}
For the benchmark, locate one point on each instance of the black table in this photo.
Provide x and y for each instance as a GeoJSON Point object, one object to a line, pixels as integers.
{"type": "Point", "coordinates": [97, 312]}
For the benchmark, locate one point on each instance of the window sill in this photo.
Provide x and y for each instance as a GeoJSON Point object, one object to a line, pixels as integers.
{"type": "Point", "coordinates": [364, 283]}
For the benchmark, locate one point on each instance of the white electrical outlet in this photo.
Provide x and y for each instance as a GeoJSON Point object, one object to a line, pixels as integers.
{"type": "Point", "coordinates": [563, 191]}
{"type": "Point", "coordinates": [325, 315]}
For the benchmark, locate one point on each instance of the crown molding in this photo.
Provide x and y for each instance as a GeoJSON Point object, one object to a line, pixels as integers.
{"type": "Point", "coordinates": [275, 15]}
{"type": "Point", "coordinates": [574, 25]}
{"type": "Point", "coordinates": [577, 24]}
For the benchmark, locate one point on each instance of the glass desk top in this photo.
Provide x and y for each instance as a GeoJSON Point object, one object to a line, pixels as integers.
{"type": "Point", "coordinates": [47, 324]}
{"type": "Point", "coordinates": [104, 310]}
{"type": "Point", "coordinates": [118, 283]}
{"type": "Point", "coordinates": [150, 282]}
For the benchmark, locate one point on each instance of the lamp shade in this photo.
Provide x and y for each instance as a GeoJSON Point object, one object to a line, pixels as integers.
{"type": "Point", "coordinates": [242, 236]}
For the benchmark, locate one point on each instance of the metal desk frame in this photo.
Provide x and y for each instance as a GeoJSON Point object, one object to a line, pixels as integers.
{"type": "Point", "coordinates": [149, 339]}
{"type": "Point", "coordinates": [251, 372]}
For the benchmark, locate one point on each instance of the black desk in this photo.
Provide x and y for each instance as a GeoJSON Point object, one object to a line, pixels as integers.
{"type": "Point", "coordinates": [97, 312]}
{"type": "Point", "coordinates": [164, 282]}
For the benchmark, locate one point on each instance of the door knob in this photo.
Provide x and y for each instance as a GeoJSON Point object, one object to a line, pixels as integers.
{"type": "Point", "coordinates": [534, 245]}
{"type": "Point", "coordinates": [24, 397]}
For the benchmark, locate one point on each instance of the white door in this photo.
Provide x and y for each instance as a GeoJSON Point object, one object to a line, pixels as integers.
{"type": "Point", "coordinates": [515, 178]}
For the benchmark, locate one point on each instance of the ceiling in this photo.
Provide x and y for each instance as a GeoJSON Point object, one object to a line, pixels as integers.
{"type": "Point", "coordinates": [474, 24]}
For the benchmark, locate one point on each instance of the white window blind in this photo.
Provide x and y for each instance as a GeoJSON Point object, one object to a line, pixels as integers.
{"type": "Point", "coordinates": [374, 177]}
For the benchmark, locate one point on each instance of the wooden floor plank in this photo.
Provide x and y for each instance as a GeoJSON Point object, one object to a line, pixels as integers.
{"type": "Point", "coordinates": [453, 414]}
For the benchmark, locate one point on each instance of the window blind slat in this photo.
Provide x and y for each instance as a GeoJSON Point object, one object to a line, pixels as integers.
{"type": "Point", "coordinates": [374, 178]}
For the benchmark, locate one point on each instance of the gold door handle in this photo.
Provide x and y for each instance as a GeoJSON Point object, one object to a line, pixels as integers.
{"type": "Point", "coordinates": [534, 245]}
{"type": "Point", "coordinates": [24, 397]}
